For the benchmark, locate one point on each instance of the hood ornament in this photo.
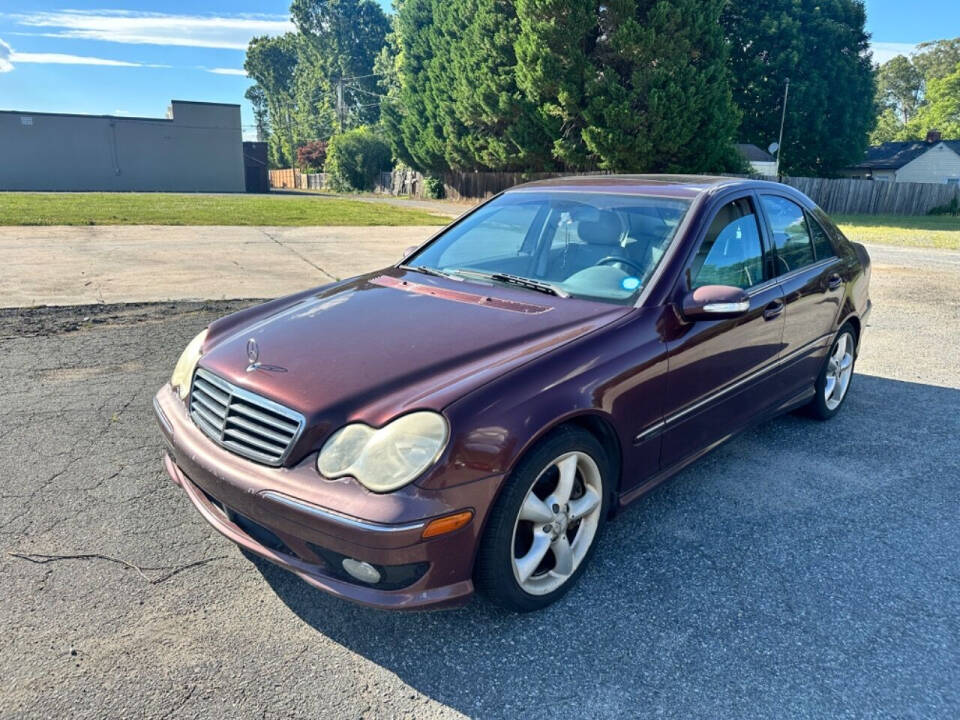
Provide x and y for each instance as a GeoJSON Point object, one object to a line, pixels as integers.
{"type": "Point", "coordinates": [253, 357]}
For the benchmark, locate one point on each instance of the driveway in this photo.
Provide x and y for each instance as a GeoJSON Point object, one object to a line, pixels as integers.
{"type": "Point", "coordinates": [146, 263]}
{"type": "Point", "coordinates": [803, 569]}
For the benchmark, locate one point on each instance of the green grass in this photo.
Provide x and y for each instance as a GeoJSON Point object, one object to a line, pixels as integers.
{"type": "Point", "coordinates": [925, 231]}
{"type": "Point", "coordinates": [187, 209]}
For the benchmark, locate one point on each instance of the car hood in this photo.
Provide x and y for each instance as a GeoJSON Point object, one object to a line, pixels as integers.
{"type": "Point", "coordinates": [370, 348]}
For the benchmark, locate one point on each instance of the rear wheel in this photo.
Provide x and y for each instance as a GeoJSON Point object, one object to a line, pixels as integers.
{"type": "Point", "coordinates": [545, 524]}
{"type": "Point", "coordinates": [834, 381]}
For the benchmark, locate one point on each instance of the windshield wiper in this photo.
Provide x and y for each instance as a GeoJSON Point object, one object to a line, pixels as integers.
{"type": "Point", "coordinates": [429, 271]}
{"type": "Point", "coordinates": [538, 285]}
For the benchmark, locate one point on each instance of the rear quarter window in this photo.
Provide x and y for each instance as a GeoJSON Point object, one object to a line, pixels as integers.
{"type": "Point", "coordinates": [841, 245]}
{"type": "Point", "coordinates": [822, 243]}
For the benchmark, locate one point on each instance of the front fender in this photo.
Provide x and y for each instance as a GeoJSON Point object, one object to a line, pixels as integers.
{"type": "Point", "coordinates": [614, 375]}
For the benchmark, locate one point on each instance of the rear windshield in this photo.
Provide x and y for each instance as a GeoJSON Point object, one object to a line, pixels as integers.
{"type": "Point", "coordinates": [591, 245]}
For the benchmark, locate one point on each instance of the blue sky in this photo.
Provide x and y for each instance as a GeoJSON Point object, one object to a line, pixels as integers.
{"type": "Point", "coordinates": [131, 57]}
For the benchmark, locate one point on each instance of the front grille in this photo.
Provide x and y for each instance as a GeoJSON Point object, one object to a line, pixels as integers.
{"type": "Point", "coordinates": [241, 421]}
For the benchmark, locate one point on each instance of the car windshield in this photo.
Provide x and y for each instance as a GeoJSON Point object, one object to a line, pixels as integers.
{"type": "Point", "coordinates": [592, 245]}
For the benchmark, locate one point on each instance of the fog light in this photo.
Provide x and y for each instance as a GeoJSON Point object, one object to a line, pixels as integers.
{"type": "Point", "coordinates": [362, 571]}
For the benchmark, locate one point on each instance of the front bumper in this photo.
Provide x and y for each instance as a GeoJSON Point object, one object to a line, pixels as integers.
{"type": "Point", "coordinates": [313, 518]}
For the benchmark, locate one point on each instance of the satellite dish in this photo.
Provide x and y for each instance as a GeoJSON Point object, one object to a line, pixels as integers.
{"type": "Point", "coordinates": [773, 148]}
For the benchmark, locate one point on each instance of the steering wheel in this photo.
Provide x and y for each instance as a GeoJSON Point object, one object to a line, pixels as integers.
{"type": "Point", "coordinates": [611, 259]}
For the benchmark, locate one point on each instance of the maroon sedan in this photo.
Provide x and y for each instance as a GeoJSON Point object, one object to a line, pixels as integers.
{"type": "Point", "coordinates": [474, 414]}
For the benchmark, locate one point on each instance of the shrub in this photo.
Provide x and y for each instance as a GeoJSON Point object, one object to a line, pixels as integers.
{"type": "Point", "coordinates": [433, 186]}
{"type": "Point", "coordinates": [312, 156]}
{"type": "Point", "coordinates": [951, 208]}
{"type": "Point", "coordinates": [354, 159]}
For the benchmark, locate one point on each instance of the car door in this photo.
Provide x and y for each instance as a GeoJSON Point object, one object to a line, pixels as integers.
{"type": "Point", "coordinates": [720, 372]}
{"type": "Point", "coordinates": [809, 271]}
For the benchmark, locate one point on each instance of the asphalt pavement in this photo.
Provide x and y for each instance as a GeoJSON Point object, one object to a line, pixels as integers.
{"type": "Point", "coordinates": [803, 569]}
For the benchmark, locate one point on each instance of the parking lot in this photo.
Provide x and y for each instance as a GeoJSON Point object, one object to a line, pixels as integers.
{"type": "Point", "coordinates": [803, 569]}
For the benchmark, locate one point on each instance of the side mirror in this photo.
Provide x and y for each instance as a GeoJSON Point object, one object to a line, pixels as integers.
{"type": "Point", "coordinates": [409, 251]}
{"type": "Point", "coordinates": [715, 302]}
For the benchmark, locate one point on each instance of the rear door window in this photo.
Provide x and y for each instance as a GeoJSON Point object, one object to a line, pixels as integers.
{"type": "Point", "coordinates": [791, 240]}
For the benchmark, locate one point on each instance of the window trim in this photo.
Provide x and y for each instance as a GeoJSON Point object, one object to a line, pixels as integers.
{"type": "Point", "coordinates": [751, 197]}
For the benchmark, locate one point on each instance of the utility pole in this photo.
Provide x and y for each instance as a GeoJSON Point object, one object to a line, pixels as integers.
{"type": "Point", "coordinates": [783, 119]}
{"type": "Point", "coordinates": [340, 102]}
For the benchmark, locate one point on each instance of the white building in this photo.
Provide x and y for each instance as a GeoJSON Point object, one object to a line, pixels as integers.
{"type": "Point", "coordinates": [921, 161]}
{"type": "Point", "coordinates": [761, 162]}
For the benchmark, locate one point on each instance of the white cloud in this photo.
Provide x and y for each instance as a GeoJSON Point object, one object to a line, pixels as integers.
{"type": "Point", "coordinates": [5, 52]}
{"type": "Point", "coordinates": [62, 59]}
{"type": "Point", "coordinates": [227, 71]}
{"type": "Point", "coordinates": [123, 26]}
{"type": "Point", "coordinates": [884, 51]}
{"type": "Point", "coordinates": [9, 56]}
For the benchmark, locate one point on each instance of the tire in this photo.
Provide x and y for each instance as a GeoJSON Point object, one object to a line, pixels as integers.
{"type": "Point", "coordinates": [832, 387]}
{"type": "Point", "coordinates": [511, 543]}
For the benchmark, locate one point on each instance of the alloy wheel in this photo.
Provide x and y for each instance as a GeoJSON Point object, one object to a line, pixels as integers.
{"type": "Point", "coordinates": [839, 371]}
{"type": "Point", "coordinates": [557, 523]}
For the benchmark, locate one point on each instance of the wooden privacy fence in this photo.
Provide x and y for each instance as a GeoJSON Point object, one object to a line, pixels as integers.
{"type": "Point", "coordinates": [287, 179]}
{"type": "Point", "coordinates": [834, 195]}
{"type": "Point", "coordinates": [872, 197]}
{"type": "Point", "coordinates": [459, 185]}
{"type": "Point", "coordinates": [293, 179]}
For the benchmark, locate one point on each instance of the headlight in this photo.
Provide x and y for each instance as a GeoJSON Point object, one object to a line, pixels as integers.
{"type": "Point", "coordinates": [187, 363]}
{"type": "Point", "coordinates": [388, 458]}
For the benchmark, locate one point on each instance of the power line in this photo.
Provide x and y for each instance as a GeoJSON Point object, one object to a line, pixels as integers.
{"type": "Point", "coordinates": [373, 74]}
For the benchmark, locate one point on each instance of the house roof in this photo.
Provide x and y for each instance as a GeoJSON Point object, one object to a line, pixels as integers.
{"type": "Point", "coordinates": [754, 154]}
{"type": "Point", "coordinates": [894, 155]}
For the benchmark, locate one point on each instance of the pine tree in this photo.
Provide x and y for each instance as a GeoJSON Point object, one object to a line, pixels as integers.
{"type": "Point", "coordinates": [501, 129]}
{"type": "Point", "coordinates": [822, 47]}
{"type": "Point", "coordinates": [420, 136]}
{"type": "Point", "coordinates": [660, 98]}
{"type": "Point", "coordinates": [553, 49]}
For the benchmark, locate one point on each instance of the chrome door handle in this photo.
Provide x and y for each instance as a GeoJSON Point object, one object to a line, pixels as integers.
{"type": "Point", "coordinates": [773, 310]}
{"type": "Point", "coordinates": [834, 281]}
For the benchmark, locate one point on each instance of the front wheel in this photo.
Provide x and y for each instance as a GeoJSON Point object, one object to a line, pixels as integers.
{"type": "Point", "coordinates": [545, 524]}
{"type": "Point", "coordinates": [834, 379]}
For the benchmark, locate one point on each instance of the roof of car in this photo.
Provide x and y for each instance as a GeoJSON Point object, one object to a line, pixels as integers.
{"type": "Point", "coordinates": [681, 186]}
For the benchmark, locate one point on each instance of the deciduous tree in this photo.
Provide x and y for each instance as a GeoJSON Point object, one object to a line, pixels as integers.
{"type": "Point", "coordinates": [822, 47]}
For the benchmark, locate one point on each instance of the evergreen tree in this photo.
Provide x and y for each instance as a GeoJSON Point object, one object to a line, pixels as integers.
{"type": "Point", "coordinates": [554, 44]}
{"type": "Point", "coordinates": [499, 128]}
{"type": "Point", "coordinates": [660, 98]}
{"type": "Point", "coordinates": [821, 46]}
{"type": "Point", "coordinates": [420, 140]}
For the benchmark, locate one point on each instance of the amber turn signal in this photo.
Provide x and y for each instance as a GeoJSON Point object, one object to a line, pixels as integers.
{"type": "Point", "coordinates": [447, 524]}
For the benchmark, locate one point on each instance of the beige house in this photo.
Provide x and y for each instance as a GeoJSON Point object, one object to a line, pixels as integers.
{"type": "Point", "coordinates": [933, 160]}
